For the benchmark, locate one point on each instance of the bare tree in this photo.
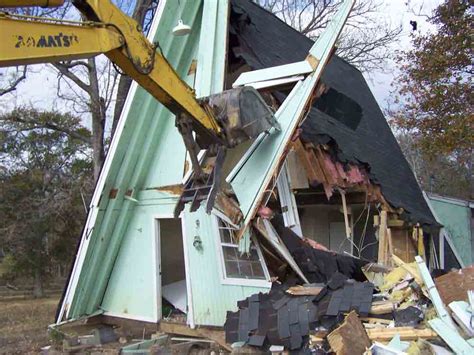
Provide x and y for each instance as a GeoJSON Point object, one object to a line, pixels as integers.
{"type": "Point", "coordinates": [365, 39]}
{"type": "Point", "coordinates": [90, 86]}
{"type": "Point", "coordinates": [10, 78]}
{"type": "Point", "coordinates": [97, 80]}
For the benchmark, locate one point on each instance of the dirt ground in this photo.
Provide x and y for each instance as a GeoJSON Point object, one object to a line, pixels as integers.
{"type": "Point", "coordinates": [23, 325]}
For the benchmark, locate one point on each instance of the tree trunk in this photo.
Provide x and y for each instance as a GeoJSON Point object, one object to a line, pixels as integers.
{"type": "Point", "coordinates": [98, 112]}
{"type": "Point", "coordinates": [38, 291]}
{"type": "Point", "coordinates": [125, 81]}
{"type": "Point", "coordinates": [122, 91]}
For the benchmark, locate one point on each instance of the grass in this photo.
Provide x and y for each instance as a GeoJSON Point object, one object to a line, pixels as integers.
{"type": "Point", "coordinates": [23, 325]}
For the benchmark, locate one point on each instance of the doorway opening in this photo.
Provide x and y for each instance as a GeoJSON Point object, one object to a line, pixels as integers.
{"type": "Point", "coordinates": [171, 268]}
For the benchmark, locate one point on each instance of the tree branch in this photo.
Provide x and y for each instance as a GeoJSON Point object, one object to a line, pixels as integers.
{"type": "Point", "coordinates": [12, 86]}
{"type": "Point", "coordinates": [71, 76]}
{"type": "Point", "coordinates": [37, 124]}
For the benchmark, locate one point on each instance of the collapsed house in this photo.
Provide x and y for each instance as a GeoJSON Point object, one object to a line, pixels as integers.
{"type": "Point", "coordinates": [344, 186]}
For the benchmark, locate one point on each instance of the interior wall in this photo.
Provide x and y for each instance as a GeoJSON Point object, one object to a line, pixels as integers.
{"type": "Point", "coordinates": [172, 256]}
{"type": "Point", "coordinates": [316, 222]}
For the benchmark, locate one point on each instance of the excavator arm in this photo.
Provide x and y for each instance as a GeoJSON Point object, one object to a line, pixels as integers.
{"type": "Point", "coordinates": [111, 32]}
{"type": "Point", "coordinates": [213, 123]}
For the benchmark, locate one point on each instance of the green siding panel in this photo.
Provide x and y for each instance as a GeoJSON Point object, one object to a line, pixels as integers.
{"type": "Point", "coordinates": [150, 151]}
{"type": "Point", "coordinates": [456, 219]}
{"type": "Point", "coordinates": [210, 298]}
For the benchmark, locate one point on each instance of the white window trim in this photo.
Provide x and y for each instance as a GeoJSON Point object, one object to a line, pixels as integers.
{"type": "Point", "coordinates": [221, 263]}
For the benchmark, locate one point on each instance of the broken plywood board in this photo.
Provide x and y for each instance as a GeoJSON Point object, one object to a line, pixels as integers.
{"type": "Point", "coordinates": [296, 172]}
{"type": "Point", "coordinates": [350, 337]}
{"type": "Point", "coordinates": [433, 292]}
{"type": "Point", "coordinates": [253, 174]}
{"type": "Point", "coordinates": [454, 285]}
{"type": "Point", "coordinates": [403, 245]}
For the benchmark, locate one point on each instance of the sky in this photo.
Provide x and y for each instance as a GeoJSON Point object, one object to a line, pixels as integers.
{"type": "Point", "coordinates": [399, 12]}
{"type": "Point", "coordinates": [39, 90]}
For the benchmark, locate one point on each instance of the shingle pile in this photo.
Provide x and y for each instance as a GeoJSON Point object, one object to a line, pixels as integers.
{"type": "Point", "coordinates": [278, 318]}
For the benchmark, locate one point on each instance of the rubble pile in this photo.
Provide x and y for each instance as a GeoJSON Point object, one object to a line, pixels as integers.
{"type": "Point", "coordinates": [393, 309]}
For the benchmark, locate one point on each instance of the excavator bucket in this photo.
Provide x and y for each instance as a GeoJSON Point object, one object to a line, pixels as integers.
{"type": "Point", "coordinates": [242, 113]}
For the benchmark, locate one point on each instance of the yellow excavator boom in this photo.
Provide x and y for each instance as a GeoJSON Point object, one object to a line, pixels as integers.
{"type": "Point", "coordinates": [29, 40]}
{"type": "Point", "coordinates": [219, 121]}
{"type": "Point", "coordinates": [25, 3]}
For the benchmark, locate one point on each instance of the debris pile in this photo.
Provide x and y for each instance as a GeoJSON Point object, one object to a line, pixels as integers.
{"type": "Point", "coordinates": [349, 306]}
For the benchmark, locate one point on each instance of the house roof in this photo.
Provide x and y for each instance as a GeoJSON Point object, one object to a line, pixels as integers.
{"type": "Point", "coordinates": [347, 116]}
{"type": "Point", "coordinates": [451, 200]}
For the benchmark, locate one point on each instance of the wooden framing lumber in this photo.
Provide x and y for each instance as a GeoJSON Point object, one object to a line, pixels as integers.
{"type": "Point", "coordinates": [382, 307]}
{"type": "Point", "coordinates": [382, 254]}
{"type": "Point", "coordinates": [202, 332]}
{"type": "Point", "coordinates": [405, 333]}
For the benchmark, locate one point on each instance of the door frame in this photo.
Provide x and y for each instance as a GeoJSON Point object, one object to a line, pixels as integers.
{"type": "Point", "coordinates": [157, 259]}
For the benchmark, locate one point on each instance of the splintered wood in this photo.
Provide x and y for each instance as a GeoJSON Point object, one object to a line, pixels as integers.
{"type": "Point", "coordinates": [382, 307]}
{"type": "Point", "coordinates": [322, 168]}
{"type": "Point", "coordinates": [350, 337]}
{"type": "Point", "coordinates": [304, 290]}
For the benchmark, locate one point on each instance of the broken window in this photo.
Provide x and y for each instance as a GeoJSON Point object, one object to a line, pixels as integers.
{"type": "Point", "coordinates": [235, 264]}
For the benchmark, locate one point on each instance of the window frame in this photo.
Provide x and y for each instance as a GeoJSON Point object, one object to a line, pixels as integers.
{"type": "Point", "coordinates": [225, 280]}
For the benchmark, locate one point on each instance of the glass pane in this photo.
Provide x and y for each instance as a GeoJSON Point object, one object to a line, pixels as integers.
{"type": "Point", "coordinates": [230, 253]}
{"type": "Point", "coordinates": [243, 267]}
{"type": "Point", "coordinates": [232, 269]}
{"type": "Point", "coordinates": [253, 255]}
{"type": "Point", "coordinates": [258, 272]}
{"type": "Point", "coordinates": [246, 269]}
{"type": "Point", "coordinates": [225, 234]}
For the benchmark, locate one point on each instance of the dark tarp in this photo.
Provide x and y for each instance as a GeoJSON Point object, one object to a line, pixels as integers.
{"type": "Point", "coordinates": [352, 121]}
